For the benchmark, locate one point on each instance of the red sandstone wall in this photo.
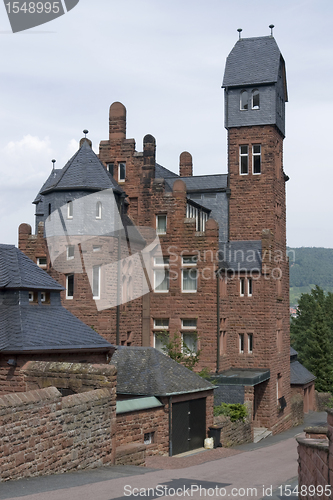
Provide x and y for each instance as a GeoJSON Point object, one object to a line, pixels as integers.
{"type": "Point", "coordinates": [43, 433]}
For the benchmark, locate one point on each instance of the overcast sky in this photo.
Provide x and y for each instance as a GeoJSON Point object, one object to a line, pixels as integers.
{"type": "Point", "coordinates": [164, 60]}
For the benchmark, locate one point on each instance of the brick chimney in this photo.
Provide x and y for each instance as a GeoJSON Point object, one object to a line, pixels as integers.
{"type": "Point", "coordinates": [117, 123]}
{"type": "Point", "coordinates": [185, 165]}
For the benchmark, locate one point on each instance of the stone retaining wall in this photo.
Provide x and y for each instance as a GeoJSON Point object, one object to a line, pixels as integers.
{"type": "Point", "coordinates": [234, 433]}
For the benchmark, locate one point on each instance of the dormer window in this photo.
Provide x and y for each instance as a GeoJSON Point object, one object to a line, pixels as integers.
{"type": "Point", "coordinates": [45, 297]}
{"type": "Point", "coordinates": [244, 100]}
{"type": "Point", "coordinates": [255, 99]}
{"type": "Point", "coordinates": [69, 210]}
{"type": "Point", "coordinates": [98, 210]}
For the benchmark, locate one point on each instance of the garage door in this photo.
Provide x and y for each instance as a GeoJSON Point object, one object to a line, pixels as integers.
{"type": "Point", "coordinates": [188, 425]}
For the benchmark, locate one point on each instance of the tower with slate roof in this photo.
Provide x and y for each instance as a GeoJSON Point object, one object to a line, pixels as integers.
{"type": "Point", "coordinates": [255, 95]}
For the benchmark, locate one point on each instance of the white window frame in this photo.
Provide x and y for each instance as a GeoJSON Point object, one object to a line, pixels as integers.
{"type": "Point", "coordinates": [253, 93]}
{"type": "Point", "coordinates": [188, 267]}
{"type": "Point", "coordinates": [31, 296]}
{"type": "Point", "coordinates": [110, 168]}
{"type": "Point", "coordinates": [253, 157]}
{"type": "Point", "coordinates": [69, 297]}
{"type": "Point", "coordinates": [249, 287]}
{"type": "Point", "coordinates": [70, 257]}
{"type": "Point", "coordinates": [158, 217]}
{"type": "Point", "coordinates": [96, 248]}
{"type": "Point", "coordinates": [70, 210]}
{"type": "Point", "coordinates": [120, 177]}
{"type": "Point", "coordinates": [243, 155]}
{"type": "Point", "coordinates": [244, 107]}
{"type": "Point", "coordinates": [160, 329]}
{"type": "Point", "coordinates": [241, 343]}
{"type": "Point", "coordinates": [242, 287]}
{"type": "Point", "coordinates": [250, 343]}
{"type": "Point", "coordinates": [148, 438]}
{"type": "Point", "coordinates": [96, 269]}
{"type": "Point", "coordinates": [99, 210]}
{"type": "Point", "coordinates": [42, 266]}
{"type": "Point", "coordinates": [190, 330]}
{"type": "Point", "coordinates": [158, 267]}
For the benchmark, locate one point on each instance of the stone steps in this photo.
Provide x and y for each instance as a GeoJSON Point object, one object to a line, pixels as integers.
{"type": "Point", "coordinates": [260, 433]}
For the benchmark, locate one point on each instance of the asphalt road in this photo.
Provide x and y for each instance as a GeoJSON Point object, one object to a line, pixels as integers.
{"type": "Point", "coordinates": [261, 471]}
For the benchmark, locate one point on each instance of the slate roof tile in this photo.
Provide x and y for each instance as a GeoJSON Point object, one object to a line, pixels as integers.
{"type": "Point", "coordinates": [240, 255]}
{"type": "Point", "coordinates": [147, 371]}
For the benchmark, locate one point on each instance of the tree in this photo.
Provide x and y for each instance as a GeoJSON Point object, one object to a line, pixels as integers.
{"type": "Point", "coordinates": [178, 350]}
{"type": "Point", "coordinates": [312, 336]}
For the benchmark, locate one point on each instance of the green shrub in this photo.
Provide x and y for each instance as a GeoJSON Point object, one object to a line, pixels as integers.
{"type": "Point", "coordinates": [235, 411]}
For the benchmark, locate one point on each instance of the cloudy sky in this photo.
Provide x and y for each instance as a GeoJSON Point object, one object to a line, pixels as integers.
{"type": "Point", "coordinates": [164, 60]}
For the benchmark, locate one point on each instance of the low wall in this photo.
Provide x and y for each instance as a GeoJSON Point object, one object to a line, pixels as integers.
{"type": "Point", "coordinates": [315, 464]}
{"type": "Point", "coordinates": [297, 409]}
{"type": "Point", "coordinates": [322, 399]}
{"type": "Point", "coordinates": [43, 433]}
{"type": "Point", "coordinates": [234, 433]}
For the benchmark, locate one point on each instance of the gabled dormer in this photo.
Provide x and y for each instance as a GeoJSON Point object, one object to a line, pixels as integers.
{"type": "Point", "coordinates": [255, 84]}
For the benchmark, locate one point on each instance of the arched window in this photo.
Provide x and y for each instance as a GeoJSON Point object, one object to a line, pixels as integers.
{"type": "Point", "coordinates": [98, 210]}
{"type": "Point", "coordinates": [244, 100]}
{"type": "Point", "coordinates": [255, 99]}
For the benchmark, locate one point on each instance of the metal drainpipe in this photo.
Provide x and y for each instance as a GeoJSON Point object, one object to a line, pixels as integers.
{"type": "Point", "coordinates": [122, 197]}
{"type": "Point", "coordinates": [170, 426]}
{"type": "Point", "coordinates": [218, 320]}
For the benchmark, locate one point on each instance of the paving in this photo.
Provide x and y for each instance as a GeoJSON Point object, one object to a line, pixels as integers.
{"type": "Point", "coordinates": [256, 470]}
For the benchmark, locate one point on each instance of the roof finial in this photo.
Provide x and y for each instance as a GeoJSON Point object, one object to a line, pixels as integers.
{"type": "Point", "coordinates": [271, 26]}
{"type": "Point", "coordinates": [53, 161]}
{"type": "Point", "coordinates": [85, 133]}
{"type": "Point", "coordinates": [239, 32]}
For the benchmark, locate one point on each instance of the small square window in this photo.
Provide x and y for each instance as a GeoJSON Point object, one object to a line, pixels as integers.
{"type": "Point", "coordinates": [189, 324]}
{"type": "Point", "coordinates": [41, 262]}
{"type": "Point", "coordinates": [96, 249]}
{"type": "Point", "coordinates": [121, 171]}
{"type": "Point", "coordinates": [161, 224]}
{"type": "Point", "coordinates": [148, 437]}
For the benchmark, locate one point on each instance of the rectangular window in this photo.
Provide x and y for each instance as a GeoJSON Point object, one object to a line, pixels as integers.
{"type": "Point", "coordinates": [45, 297]}
{"type": "Point", "coordinates": [121, 171]}
{"type": "Point", "coordinates": [96, 249]}
{"type": "Point", "coordinates": [161, 274]}
{"type": "Point", "coordinates": [223, 342]}
{"type": "Point", "coordinates": [96, 282]}
{"type": "Point", "coordinates": [70, 252]}
{"type": "Point", "coordinates": [148, 437]}
{"type": "Point", "coordinates": [69, 210]}
{"type": "Point", "coordinates": [33, 297]}
{"type": "Point", "coordinates": [69, 286]}
{"type": "Point", "coordinates": [41, 262]}
{"type": "Point", "coordinates": [189, 274]}
{"type": "Point", "coordinates": [244, 160]}
{"type": "Point", "coordinates": [256, 159]}
{"type": "Point", "coordinates": [241, 342]}
{"type": "Point", "coordinates": [161, 224]}
{"type": "Point", "coordinates": [249, 287]}
{"type": "Point", "coordinates": [250, 343]}
{"type": "Point", "coordinates": [189, 336]}
{"type": "Point", "coordinates": [242, 287]}
{"type": "Point", "coordinates": [110, 167]}
{"type": "Point", "coordinates": [161, 335]}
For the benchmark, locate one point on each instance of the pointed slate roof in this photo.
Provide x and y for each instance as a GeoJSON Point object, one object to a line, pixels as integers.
{"type": "Point", "coordinates": [17, 271]}
{"type": "Point", "coordinates": [84, 171]}
{"type": "Point", "coordinates": [253, 61]}
{"type": "Point", "coordinates": [145, 371]}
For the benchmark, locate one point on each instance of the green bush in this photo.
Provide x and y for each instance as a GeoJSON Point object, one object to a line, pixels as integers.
{"type": "Point", "coordinates": [235, 411]}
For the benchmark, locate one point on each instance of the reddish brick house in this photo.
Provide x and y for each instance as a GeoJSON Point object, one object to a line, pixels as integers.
{"type": "Point", "coordinates": [222, 279]}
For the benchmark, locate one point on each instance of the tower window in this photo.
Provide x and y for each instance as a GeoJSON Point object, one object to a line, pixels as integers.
{"type": "Point", "coordinates": [121, 171]}
{"type": "Point", "coordinates": [161, 224]}
{"type": "Point", "coordinates": [249, 287]}
{"type": "Point", "coordinates": [255, 99]}
{"type": "Point", "coordinates": [109, 167]}
{"type": "Point", "coordinates": [98, 210]}
{"type": "Point", "coordinates": [69, 286]}
{"type": "Point", "coordinates": [241, 342]}
{"type": "Point", "coordinates": [50, 210]}
{"type": "Point", "coordinates": [242, 287]}
{"type": "Point", "coordinates": [69, 210]}
{"type": "Point", "coordinates": [244, 160]}
{"type": "Point", "coordinates": [70, 252]}
{"type": "Point", "coordinates": [96, 282]}
{"type": "Point", "coordinates": [244, 100]}
{"type": "Point", "coordinates": [256, 159]}
{"type": "Point", "coordinates": [250, 343]}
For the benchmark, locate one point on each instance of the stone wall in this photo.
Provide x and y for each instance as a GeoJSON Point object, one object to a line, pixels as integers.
{"type": "Point", "coordinates": [297, 409]}
{"type": "Point", "coordinates": [234, 433]}
{"type": "Point", "coordinates": [315, 464]}
{"type": "Point", "coordinates": [322, 399]}
{"type": "Point", "coordinates": [132, 426]}
{"type": "Point", "coordinates": [43, 433]}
